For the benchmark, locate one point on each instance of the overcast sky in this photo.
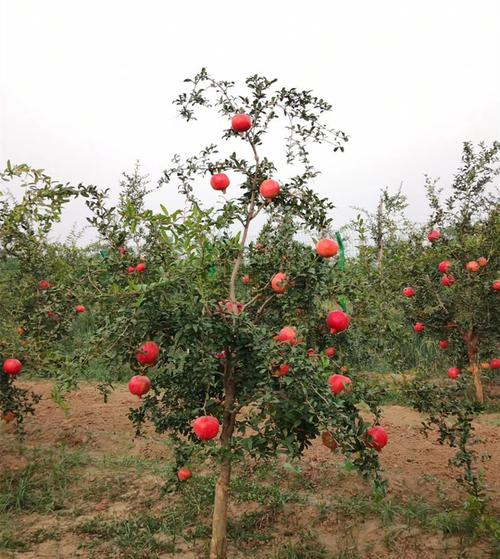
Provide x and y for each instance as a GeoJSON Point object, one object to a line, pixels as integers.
{"type": "Point", "coordinates": [86, 86]}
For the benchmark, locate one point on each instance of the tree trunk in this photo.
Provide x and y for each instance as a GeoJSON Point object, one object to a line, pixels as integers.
{"type": "Point", "coordinates": [218, 544]}
{"type": "Point", "coordinates": [471, 341]}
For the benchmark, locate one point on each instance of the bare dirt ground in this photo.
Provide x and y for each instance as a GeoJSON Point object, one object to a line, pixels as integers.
{"type": "Point", "coordinates": [416, 468]}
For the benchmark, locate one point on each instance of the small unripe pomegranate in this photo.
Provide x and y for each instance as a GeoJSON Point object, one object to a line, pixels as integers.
{"type": "Point", "coordinates": [184, 474]}
{"type": "Point", "coordinates": [269, 189]}
{"type": "Point", "coordinates": [330, 351]}
{"type": "Point", "coordinates": [79, 309]}
{"type": "Point", "coordinates": [472, 266]}
{"type": "Point", "coordinates": [447, 281]}
{"type": "Point", "coordinates": [139, 385]}
{"type": "Point", "coordinates": [326, 248]}
{"type": "Point", "coordinates": [408, 292]}
{"type": "Point", "coordinates": [279, 282]}
{"type": "Point", "coordinates": [220, 181]}
{"type": "Point", "coordinates": [444, 266]}
{"type": "Point", "coordinates": [482, 261]}
{"type": "Point", "coordinates": [241, 122]}
{"type": "Point", "coordinates": [419, 327]}
{"type": "Point", "coordinates": [433, 236]}
{"type": "Point", "coordinates": [140, 267]}
{"type": "Point", "coordinates": [453, 372]}
{"type": "Point", "coordinates": [147, 353]}
{"type": "Point", "coordinates": [206, 427]}
{"type": "Point", "coordinates": [443, 344]}
{"type": "Point", "coordinates": [377, 437]}
{"type": "Point", "coordinates": [337, 321]}
{"type": "Point", "coordinates": [12, 367]}
{"type": "Point", "coordinates": [339, 383]}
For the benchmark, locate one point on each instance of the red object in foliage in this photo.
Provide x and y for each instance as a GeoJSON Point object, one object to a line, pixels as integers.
{"type": "Point", "coordinates": [329, 351]}
{"type": "Point", "coordinates": [444, 266]}
{"type": "Point", "coordinates": [269, 189]}
{"type": "Point", "coordinates": [495, 364]}
{"type": "Point", "coordinates": [408, 292]}
{"type": "Point", "coordinates": [472, 266]}
{"type": "Point", "coordinates": [443, 344]}
{"type": "Point", "coordinates": [326, 248]}
{"type": "Point", "coordinates": [279, 282]}
{"type": "Point", "coordinates": [283, 370]}
{"type": "Point", "coordinates": [339, 383]}
{"type": "Point", "coordinates": [287, 334]}
{"type": "Point", "coordinates": [241, 122]}
{"type": "Point", "coordinates": [79, 309]}
{"type": "Point", "coordinates": [220, 181]}
{"type": "Point", "coordinates": [139, 385]}
{"type": "Point", "coordinates": [12, 367]}
{"type": "Point", "coordinates": [496, 285]}
{"type": "Point", "coordinates": [377, 437]}
{"type": "Point", "coordinates": [44, 284]}
{"type": "Point", "coordinates": [453, 372]}
{"type": "Point", "coordinates": [482, 261]}
{"type": "Point", "coordinates": [147, 353]}
{"type": "Point", "coordinates": [206, 427]}
{"type": "Point", "coordinates": [122, 251]}
{"type": "Point", "coordinates": [447, 281]}
{"type": "Point", "coordinates": [184, 474]}
{"type": "Point", "coordinates": [433, 236]}
{"type": "Point", "coordinates": [419, 327]}
{"type": "Point", "coordinates": [337, 321]}
{"type": "Point", "coordinates": [140, 267]}
{"type": "Point", "coordinates": [245, 279]}
{"type": "Point", "coordinates": [131, 269]}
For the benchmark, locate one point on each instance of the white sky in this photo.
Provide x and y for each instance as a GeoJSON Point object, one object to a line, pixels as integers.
{"type": "Point", "coordinates": [86, 86]}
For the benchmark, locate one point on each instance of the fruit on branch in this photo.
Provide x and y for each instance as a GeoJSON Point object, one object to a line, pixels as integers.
{"type": "Point", "coordinates": [433, 236]}
{"type": "Point", "coordinates": [495, 363]}
{"type": "Point", "coordinates": [140, 267]}
{"type": "Point", "coordinates": [496, 285]}
{"type": "Point", "coordinates": [444, 266]}
{"type": "Point", "coordinates": [288, 334]}
{"type": "Point", "coordinates": [453, 372]}
{"type": "Point", "coordinates": [330, 351]}
{"type": "Point", "coordinates": [337, 321]}
{"type": "Point", "coordinates": [482, 261]}
{"type": "Point", "coordinates": [139, 385]}
{"type": "Point", "coordinates": [12, 367]}
{"type": "Point", "coordinates": [283, 370]}
{"type": "Point", "coordinates": [279, 282]}
{"type": "Point", "coordinates": [206, 427]}
{"type": "Point", "coordinates": [418, 327]}
{"type": "Point", "coordinates": [130, 269]}
{"type": "Point", "coordinates": [245, 279]}
{"type": "Point", "coordinates": [447, 281]}
{"type": "Point", "coordinates": [269, 189]}
{"type": "Point", "coordinates": [44, 284]}
{"type": "Point", "coordinates": [377, 437]}
{"type": "Point", "coordinates": [472, 266]}
{"type": "Point", "coordinates": [443, 344]}
{"type": "Point", "coordinates": [241, 122]}
{"type": "Point", "coordinates": [408, 292]}
{"type": "Point", "coordinates": [326, 248]}
{"type": "Point", "coordinates": [184, 474]}
{"type": "Point", "coordinates": [220, 181]}
{"type": "Point", "coordinates": [339, 383]}
{"type": "Point", "coordinates": [79, 309]}
{"type": "Point", "coordinates": [147, 353]}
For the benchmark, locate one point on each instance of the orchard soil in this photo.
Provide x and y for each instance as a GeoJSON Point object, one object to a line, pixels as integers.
{"type": "Point", "coordinates": [107, 482]}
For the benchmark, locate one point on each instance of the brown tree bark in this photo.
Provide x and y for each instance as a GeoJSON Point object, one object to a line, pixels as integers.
{"type": "Point", "coordinates": [471, 341]}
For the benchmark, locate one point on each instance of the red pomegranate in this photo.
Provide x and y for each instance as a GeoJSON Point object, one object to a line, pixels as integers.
{"type": "Point", "coordinates": [377, 437]}
{"type": "Point", "coordinates": [453, 372]}
{"type": "Point", "coordinates": [339, 383]}
{"type": "Point", "coordinates": [220, 181]}
{"type": "Point", "coordinates": [79, 309]}
{"type": "Point", "coordinates": [444, 266]}
{"type": "Point", "coordinates": [337, 321]}
{"type": "Point", "coordinates": [482, 261]}
{"type": "Point", "coordinates": [12, 367]}
{"type": "Point", "coordinates": [495, 363]}
{"type": "Point", "coordinates": [241, 122]}
{"type": "Point", "coordinates": [287, 334]}
{"type": "Point", "coordinates": [220, 355]}
{"type": "Point", "coordinates": [279, 282]}
{"type": "Point", "coordinates": [206, 427]}
{"type": "Point", "coordinates": [330, 351]}
{"type": "Point", "coordinates": [140, 267]}
{"type": "Point", "coordinates": [326, 248]}
{"type": "Point", "coordinates": [447, 281]}
{"type": "Point", "coordinates": [184, 474]}
{"type": "Point", "coordinates": [443, 344]}
{"type": "Point", "coordinates": [283, 370]}
{"type": "Point", "coordinates": [147, 353]}
{"type": "Point", "coordinates": [311, 352]}
{"type": "Point", "coordinates": [122, 251]}
{"type": "Point", "coordinates": [130, 269]}
{"type": "Point", "coordinates": [269, 189]}
{"type": "Point", "coordinates": [496, 285]}
{"type": "Point", "coordinates": [408, 292]}
{"type": "Point", "coordinates": [245, 279]}
{"type": "Point", "coordinates": [419, 327]}
{"type": "Point", "coordinates": [139, 385]}
{"type": "Point", "coordinates": [433, 236]}
{"type": "Point", "coordinates": [44, 284]}
{"type": "Point", "coordinates": [472, 266]}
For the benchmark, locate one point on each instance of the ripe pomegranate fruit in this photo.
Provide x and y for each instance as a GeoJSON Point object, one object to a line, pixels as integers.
{"type": "Point", "coordinates": [433, 236]}
{"type": "Point", "coordinates": [8, 416]}
{"type": "Point", "coordinates": [326, 248]}
{"type": "Point", "coordinates": [495, 363]}
{"type": "Point", "coordinates": [79, 309]}
{"type": "Point", "coordinates": [279, 282]}
{"type": "Point", "coordinates": [139, 385]}
{"type": "Point", "coordinates": [330, 351]}
{"type": "Point", "coordinates": [12, 367]}
{"type": "Point", "coordinates": [496, 285]}
{"type": "Point", "coordinates": [287, 334]}
{"type": "Point", "coordinates": [283, 370]}
{"type": "Point", "coordinates": [472, 266]}
{"type": "Point", "coordinates": [337, 321]}
{"type": "Point", "coordinates": [140, 267]}
{"type": "Point", "coordinates": [130, 269]}
{"type": "Point", "coordinates": [339, 383]}
{"type": "Point", "coordinates": [408, 292]}
{"type": "Point", "coordinates": [311, 352]}
{"type": "Point", "coordinates": [147, 353]}
{"type": "Point", "coordinates": [453, 372]}
{"type": "Point", "coordinates": [184, 474]}
{"type": "Point", "coordinates": [206, 427]}
{"type": "Point", "coordinates": [377, 437]}
{"type": "Point", "coordinates": [444, 266]}
{"type": "Point", "coordinates": [220, 355]}
{"type": "Point", "coordinates": [482, 261]}
{"type": "Point", "coordinates": [241, 122]}
{"type": "Point", "coordinates": [44, 284]}
{"type": "Point", "coordinates": [245, 279]}
{"type": "Point", "coordinates": [443, 344]}
{"type": "Point", "coordinates": [220, 181]}
{"type": "Point", "coordinates": [269, 189]}
{"type": "Point", "coordinates": [419, 327]}
{"type": "Point", "coordinates": [328, 440]}
{"type": "Point", "coordinates": [447, 281]}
